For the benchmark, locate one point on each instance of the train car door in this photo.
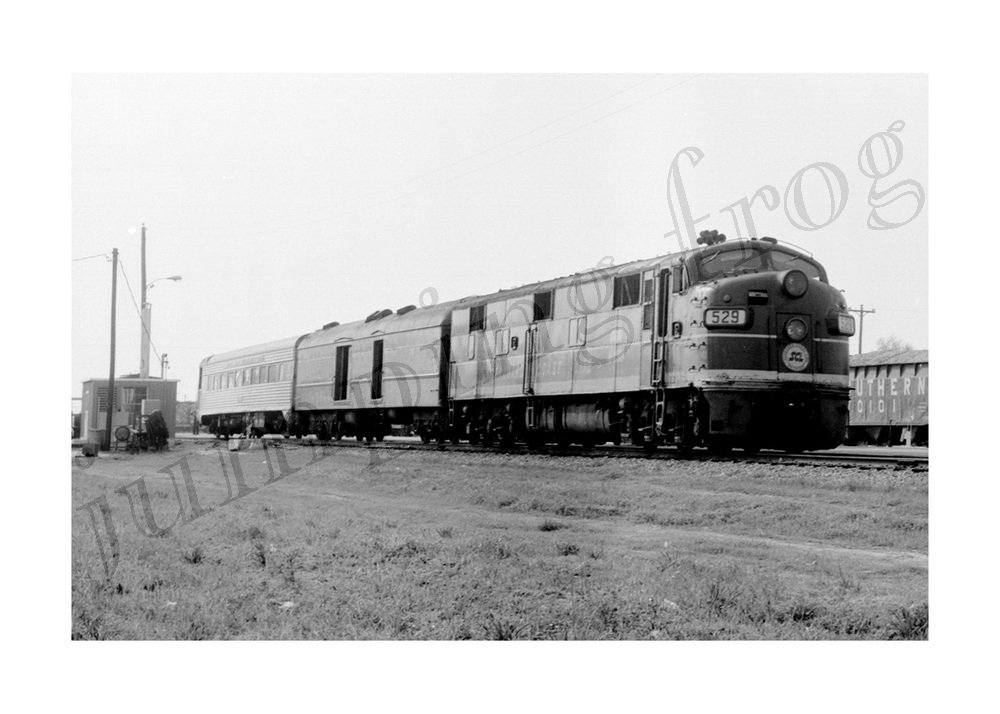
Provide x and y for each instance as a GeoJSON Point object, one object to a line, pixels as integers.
{"type": "Point", "coordinates": [661, 319]}
{"type": "Point", "coordinates": [647, 319]}
{"type": "Point", "coordinates": [528, 371]}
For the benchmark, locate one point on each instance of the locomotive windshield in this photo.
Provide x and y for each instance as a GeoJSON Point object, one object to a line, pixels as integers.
{"type": "Point", "coordinates": [752, 257]}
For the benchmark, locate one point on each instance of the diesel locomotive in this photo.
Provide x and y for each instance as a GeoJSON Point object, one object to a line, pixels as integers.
{"type": "Point", "coordinates": [733, 344]}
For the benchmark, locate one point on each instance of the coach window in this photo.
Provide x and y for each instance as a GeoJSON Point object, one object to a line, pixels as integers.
{"type": "Point", "coordinates": [477, 318]}
{"type": "Point", "coordinates": [627, 290]}
{"type": "Point", "coordinates": [543, 305]}
{"type": "Point", "coordinates": [255, 375]}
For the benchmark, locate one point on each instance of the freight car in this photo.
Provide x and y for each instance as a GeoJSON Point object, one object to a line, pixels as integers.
{"type": "Point", "coordinates": [889, 403]}
{"type": "Point", "coordinates": [740, 344]}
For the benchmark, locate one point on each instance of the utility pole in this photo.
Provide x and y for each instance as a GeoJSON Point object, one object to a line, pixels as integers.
{"type": "Point", "coordinates": [861, 326]}
{"type": "Point", "coordinates": [106, 441]}
{"type": "Point", "coordinates": [145, 317]}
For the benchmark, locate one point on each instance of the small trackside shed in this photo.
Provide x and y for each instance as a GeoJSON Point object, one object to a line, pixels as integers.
{"type": "Point", "coordinates": [126, 404]}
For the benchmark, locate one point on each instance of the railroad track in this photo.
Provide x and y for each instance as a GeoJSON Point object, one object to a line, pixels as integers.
{"type": "Point", "coordinates": [847, 458]}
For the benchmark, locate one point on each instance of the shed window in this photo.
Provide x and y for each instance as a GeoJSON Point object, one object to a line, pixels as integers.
{"type": "Point", "coordinates": [102, 399]}
{"type": "Point", "coordinates": [627, 290]}
{"type": "Point", "coordinates": [543, 306]}
{"type": "Point", "coordinates": [133, 395]}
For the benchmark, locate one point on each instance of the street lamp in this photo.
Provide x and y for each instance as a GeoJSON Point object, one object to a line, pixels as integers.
{"type": "Point", "coordinates": [175, 278]}
{"type": "Point", "coordinates": [147, 321]}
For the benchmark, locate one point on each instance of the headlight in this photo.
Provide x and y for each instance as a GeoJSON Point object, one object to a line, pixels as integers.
{"type": "Point", "coordinates": [796, 329]}
{"type": "Point", "coordinates": [795, 283]}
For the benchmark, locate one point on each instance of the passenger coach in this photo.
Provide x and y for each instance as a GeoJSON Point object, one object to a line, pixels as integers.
{"type": "Point", "coordinates": [248, 390]}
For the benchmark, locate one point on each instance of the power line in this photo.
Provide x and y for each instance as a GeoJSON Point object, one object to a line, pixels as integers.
{"type": "Point", "coordinates": [404, 182]}
{"type": "Point", "coordinates": [439, 169]}
{"type": "Point", "coordinates": [96, 255]}
{"type": "Point", "coordinates": [145, 327]}
{"type": "Point", "coordinates": [492, 163]}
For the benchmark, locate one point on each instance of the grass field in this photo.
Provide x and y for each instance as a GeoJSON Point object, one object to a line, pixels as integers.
{"type": "Point", "coordinates": [363, 544]}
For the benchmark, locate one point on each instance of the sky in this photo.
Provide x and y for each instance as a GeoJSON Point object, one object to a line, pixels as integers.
{"type": "Point", "coordinates": [287, 201]}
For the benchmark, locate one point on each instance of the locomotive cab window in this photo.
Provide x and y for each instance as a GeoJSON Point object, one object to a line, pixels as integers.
{"type": "Point", "coordinates": [677, 278]}
{"type": "Point", "coordinates": [753, 257]}
{"type": "Point", "coordinates": [627, 290]}
{"type": "Point", "coordinates": [543, 305]}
